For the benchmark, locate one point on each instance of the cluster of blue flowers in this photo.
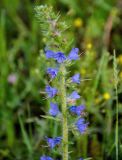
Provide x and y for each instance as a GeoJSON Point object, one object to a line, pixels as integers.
{"type": "Point", "coordinates": [51, 92]}
{"type": "Point", "coordinates": [78, 110]}
{"type": "Point", "coordinates": [61, 57]}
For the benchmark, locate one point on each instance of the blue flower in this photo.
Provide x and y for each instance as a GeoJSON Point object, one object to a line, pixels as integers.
{"type": "Point", "coordinates": [81, 125]}
{"type": "Point", "coordinates": [73, 55]}
{"type": "Point", "coordinates": [76, 78]}
{"type": "Point", "coordinates": [54, 110]}
{"type": "Point", "coordinates": [80, 158]}
{"type": "Point", "coordinates": [58, 140]}
{"type": "Point", "coordinates": [80, 121]}
{"type": "Point", "coordinates": [52, 142]}
{"type": "Point", "coordinates": [49, 54]}
{"type": "Point", "coordinates": [74, 95]}
{"type": "Point", "coordinates": [79, 109]}
{"type": "Point", "coordinates": [51, 91]}
{"type": "Point", "coordinates": [60, 57]}
{"type": "Point", "coordinates": [52, 72]}
{"type": "Point", "coordinates": [72, 109]}
{"type": "Point", "coordinates": [45, 158]}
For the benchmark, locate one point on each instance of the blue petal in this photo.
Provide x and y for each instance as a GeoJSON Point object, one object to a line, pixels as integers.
{"type": "Point", "coordinates": [74, 95]}
{"type": "Point", "coordinates": [51, 92]}
{"type": "Point", "coordinates": [72, 109]}
{"type": "Point", "coordinates": [80, 109]}
{"type": "Point", "coordinates": [81, 125]}
{"type": "Point", "coordinates": [76, 78]}
{"type": "Point", "coordinates": [80, 158]}
{"type": "Point", "coordinates": [52, 142]}
{"type": "Point", "coordinates": [80, 121]}
{"type": "Point", "coordinates": [58, 140]}
{"type": "Point", "coordinates": [52, 72]}
{"type": "Point", "coordinates": [49, 54]}
{"type": "Point", "coordinates": [60, 57]}
{"type": "Point", "coordinates": [45, 158]}
{"type": "Point", "coordinates": [54, 110]}
{"type": "Point", "coordinates": [73, 55]}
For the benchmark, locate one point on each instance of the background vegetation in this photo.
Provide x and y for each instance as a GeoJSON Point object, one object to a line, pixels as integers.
{"type": "Point", "coordinates": [95, 27]}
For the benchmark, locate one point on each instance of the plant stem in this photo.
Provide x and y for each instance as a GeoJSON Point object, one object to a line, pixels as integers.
{"type": "Point", "coordinates": [64, 112]}
{"type": "Point", "coordinates": [116, 135]}
{"type": "Point", "coordinates": [116, 90]}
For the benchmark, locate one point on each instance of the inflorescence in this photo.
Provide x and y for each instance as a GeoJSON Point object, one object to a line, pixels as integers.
{"type": "Point", "coordinates": [51, 92]}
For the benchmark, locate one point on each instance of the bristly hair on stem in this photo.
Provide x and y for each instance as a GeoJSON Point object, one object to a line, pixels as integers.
{"type": "Point", "coordinates": [64, 112]}
{"type": "Point", "coordinates": [116, 92]}
{"type": "Point", "coordinates": [51, 27]}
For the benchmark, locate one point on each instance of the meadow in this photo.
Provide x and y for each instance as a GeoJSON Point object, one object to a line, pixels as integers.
{"type": "Point", "coordinates": [28, 29]}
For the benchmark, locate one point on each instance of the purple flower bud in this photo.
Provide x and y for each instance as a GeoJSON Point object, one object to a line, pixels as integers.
{"type": "Point", "coordinates": [52, 142]}
{"type": "Point", "coordinates": [45, 158]}
{"type": "Point", "coordinates": [73, 55]}
{"type": "Point", "coordinates": [74, 95]}
{"type": "Point", "coordinates": [76, 78]}
{"type": "Point", "coordinates": [54, 110]}
{"type": "Point", "coordinates": [49, 54]}
{"type": "Point", "coordinates": [52, 72]}
{"type": "Point", "coordinates": [51, 92]}
{"type": "Point", "coordinates": [79, 109]}
{"type": "Point", "coordinates": [12, 78]}
{"type": "Point", "coordinates": [81, 125]}
{"type": "Point", "coordinates": [60, 57]}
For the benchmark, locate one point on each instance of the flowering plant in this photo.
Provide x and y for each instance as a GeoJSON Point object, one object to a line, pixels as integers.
{"type": "Point", "coordinates": [63, 101]}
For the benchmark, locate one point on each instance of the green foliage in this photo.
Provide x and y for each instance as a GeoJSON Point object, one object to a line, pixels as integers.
{"type": "Point", "coordinates": [25, 136]}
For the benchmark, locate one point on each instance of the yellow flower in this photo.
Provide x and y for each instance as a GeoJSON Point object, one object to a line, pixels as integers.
{"type": "Point", "coordinates": [89, 45]}
{"type": "Point", "coordinates": [120, 74]}
{"type": "Point", "coordinates": [78, 22]}
{"type": "Point", "coordinates": [106, 96]}
{"type": "Point", "coordinates": [119, 59]}
{"type": "Point", "coordinates": [83, 71]}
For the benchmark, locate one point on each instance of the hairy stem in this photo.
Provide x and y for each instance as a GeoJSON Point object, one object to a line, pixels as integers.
{"type": "Point", "coordinates": [116, 90]}
{"type": "Point", "coordinates": [64, 112]}
{"type": "Point", "coordinates": [116, 137]}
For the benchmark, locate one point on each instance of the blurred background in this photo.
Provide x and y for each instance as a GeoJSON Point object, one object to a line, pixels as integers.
{"type": "Point", "coordinates": [95, 27]}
